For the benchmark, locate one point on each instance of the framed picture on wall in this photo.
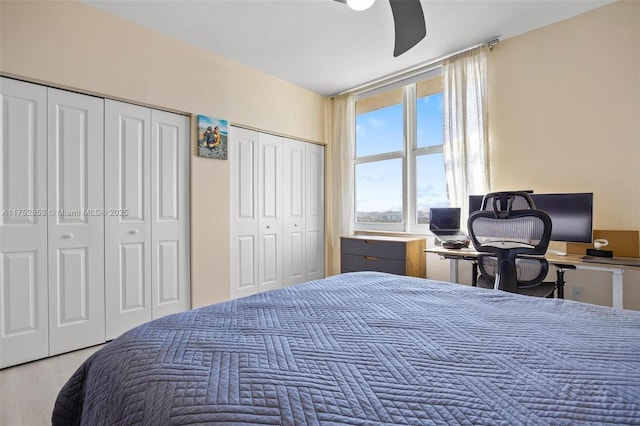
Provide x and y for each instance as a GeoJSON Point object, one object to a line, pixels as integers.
{"type": "Point", "coordinates": [212, 137]}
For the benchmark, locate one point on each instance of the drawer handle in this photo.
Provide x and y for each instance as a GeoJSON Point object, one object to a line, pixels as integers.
{"type": "Point", "coordinates": [370, 242]}
{"type": "Point", "coordinates": [371, 258]}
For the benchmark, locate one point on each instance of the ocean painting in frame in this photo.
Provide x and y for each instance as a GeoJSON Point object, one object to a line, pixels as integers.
{"type": "Point", "coordinates": [212, 137]}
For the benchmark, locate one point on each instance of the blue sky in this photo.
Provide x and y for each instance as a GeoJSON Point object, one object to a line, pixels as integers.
{"type": "Point", "coordinates": [379, 185]}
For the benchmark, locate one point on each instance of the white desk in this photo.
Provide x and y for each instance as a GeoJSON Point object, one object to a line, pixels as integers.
{"type": "Point", "coordinates": [617, 271]}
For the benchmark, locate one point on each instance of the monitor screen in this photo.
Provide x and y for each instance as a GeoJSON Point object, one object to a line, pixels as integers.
{"type": "Point", "coordinates": [475, 203]}
{"type": "Point", "coordinates": [571, 214]}
{"type": "Point", "coordinates": [444, 218]}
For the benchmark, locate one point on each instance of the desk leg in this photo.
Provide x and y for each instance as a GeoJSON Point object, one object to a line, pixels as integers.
{"type": "Point", "coordinates": [616, 281]}
{"type": "Point", "coordinates": [474, 274]}
{"type": "Point", "coordinates": [560, 283]}
{"type": "Point", "coordinates": [453, 270]}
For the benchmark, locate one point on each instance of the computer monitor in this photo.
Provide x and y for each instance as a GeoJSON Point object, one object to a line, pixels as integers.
{"type": "Point", "coordinates": [571, 214]}
{"type": "Point", "coordinates": [475, 203]}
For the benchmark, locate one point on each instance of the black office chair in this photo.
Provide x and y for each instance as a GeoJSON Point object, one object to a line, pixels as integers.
{"type": "Point", "coordinates": [509, 233]}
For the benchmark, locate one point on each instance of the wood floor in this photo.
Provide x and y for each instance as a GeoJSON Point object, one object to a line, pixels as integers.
{"type": "Point", "coordinates": [28, 391]}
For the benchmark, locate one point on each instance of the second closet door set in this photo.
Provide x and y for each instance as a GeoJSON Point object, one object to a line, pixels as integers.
{"type": "Point", "coordinates": [277, 211]}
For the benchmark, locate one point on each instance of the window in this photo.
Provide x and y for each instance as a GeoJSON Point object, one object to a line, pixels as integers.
{"type": "Point", "coordinates": [398, 165]}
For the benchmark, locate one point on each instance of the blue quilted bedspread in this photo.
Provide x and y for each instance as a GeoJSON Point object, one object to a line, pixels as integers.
{"type": "Point", "coordinates": [367, 348]}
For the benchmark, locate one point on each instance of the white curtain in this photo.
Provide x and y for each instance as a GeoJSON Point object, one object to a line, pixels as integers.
{"type": "Point", "coordinates": [466, 149]}
{"type": "Point", "coordinates": [342, 148]}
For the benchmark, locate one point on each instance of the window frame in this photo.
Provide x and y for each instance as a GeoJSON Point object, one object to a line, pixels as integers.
{"type": "Point", "coordinates": [408, 155]}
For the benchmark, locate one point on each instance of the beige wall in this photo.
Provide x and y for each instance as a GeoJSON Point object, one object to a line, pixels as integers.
{"type": "Point", "coordinates": [564, 105]}
{"type": "Point", "coordinates": [72, 45]}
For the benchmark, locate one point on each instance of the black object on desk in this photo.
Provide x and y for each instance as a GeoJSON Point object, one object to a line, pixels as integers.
{"type": "Point", "coordinates": [455, 244]}
{"type": "Point", "coordinates": [599, 253]}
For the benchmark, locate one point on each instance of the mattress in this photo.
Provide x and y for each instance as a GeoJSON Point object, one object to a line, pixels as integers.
{"type": "Point", "coordinates": [367, 348]}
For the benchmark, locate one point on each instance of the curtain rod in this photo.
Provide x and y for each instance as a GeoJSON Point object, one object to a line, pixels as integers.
{"type": "Point", "coordinates": [408, 72]}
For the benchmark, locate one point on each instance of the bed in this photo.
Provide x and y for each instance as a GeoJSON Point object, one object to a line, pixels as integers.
{"type": "Point", "coordinates": [367, 348]}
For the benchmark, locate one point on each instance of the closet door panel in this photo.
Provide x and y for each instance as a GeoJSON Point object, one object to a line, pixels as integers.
{"type": "Point", "coordinates": [170, 275]}
{"type": "Point", "coordinates": [128, 220]}
{"type": "Point", "coordinates": [270, 268]}
{"type": "Point", "coordinates": [73, 286]}
{"type": "Point", "coordinates": [24, 334]}
{"type": "Point", "coordinates": [244, 258]}
{"type": "Point", "coordinates": [132, 291]}
{"type": "Point", "coordinates": [293, 181]}
{"type": "Point", "coordinates": [243, 153]}
{"type": "Point", "coordinates": [314, 219]}
{"type": "Point", "coordinates": [295, 257]}
{"type": "Point", "coordinates": [168, 288]}
{"type": "Point", "coordinates": [76, 229]}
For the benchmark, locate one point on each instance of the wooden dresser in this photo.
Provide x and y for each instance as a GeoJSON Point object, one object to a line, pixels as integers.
{"type": "Point", "coordinates": [396, 255]}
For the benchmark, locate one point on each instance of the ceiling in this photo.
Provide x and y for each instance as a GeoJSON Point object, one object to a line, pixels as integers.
{"type": "Point", "coordinates": [325, 46]}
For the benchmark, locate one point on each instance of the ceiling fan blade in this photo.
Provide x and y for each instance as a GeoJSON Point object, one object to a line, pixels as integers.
{"type": "Point", "coordinates": [408, 19]}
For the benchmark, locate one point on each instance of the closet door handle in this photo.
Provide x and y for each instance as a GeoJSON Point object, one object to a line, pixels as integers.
{"type": "Point", "coordinates": [133, 231]}
{"type": "Point", "coordinates": [67, 236]}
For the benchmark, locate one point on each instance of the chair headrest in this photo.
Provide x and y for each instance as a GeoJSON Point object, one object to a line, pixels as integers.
{"type": "Point", "coordinates": [503, 203]}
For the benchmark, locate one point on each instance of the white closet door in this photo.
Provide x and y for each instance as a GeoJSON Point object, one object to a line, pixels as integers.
{"type": "Point", "coordinates": [294, 211]}
{"type": "Point", "coordinates": [314, 218]}
{"type": "Point", "coordinates": [243, 154]}
{"type": "Point", "coordinates": [76, 230]}
{"type": "Point", "coordinates": [127, 158]}
{"type": "Point", "coordinates": [24, 332]}
{"type": "Point", "coordinates": [270, 267]}
{"type": "Point", "coordinates": [170, 275]}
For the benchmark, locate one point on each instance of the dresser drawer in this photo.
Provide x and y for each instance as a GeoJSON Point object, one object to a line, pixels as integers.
{"type": "Point", "coordinates": [354, 263]}
{"type": "Point", "coordinates": [395, 255]}
{"type": "Point", "coordinates": [375, 248]}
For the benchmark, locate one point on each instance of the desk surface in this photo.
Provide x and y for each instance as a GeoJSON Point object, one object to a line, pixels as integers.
{"type": "Point", "coordinates": [569, 259]}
